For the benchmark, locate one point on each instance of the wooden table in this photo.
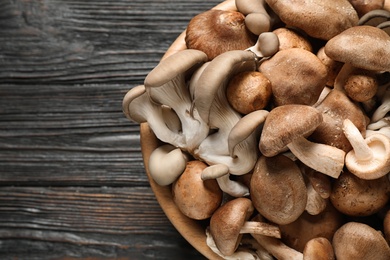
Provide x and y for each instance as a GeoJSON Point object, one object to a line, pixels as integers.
{"type": "Point", "coordinates": [72, 182]}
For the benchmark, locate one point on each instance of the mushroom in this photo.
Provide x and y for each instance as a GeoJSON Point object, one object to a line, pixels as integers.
{"type": "Point", "coordinates": [374, 17]}
{"type": "Point", "coordinates": [285, 127]}
{"type": "Point", "coordinates": [217, 31]}
{"type": "Point", "coordinates": [166, 85]}
{"type": "Point", "coordinates": [384, 107]}
{"type": "Point", "coordinates": [363, 7]}
{"type": "Point", "coordinates": [291, 38]}
{"type": "Point", "coordinates": [297, 76]}
{"type": "Point", "coordinates": [336, 107]}
{"type": "Point", "coordinates": [370, 157]}
{"type": "Point", "coordinates": [315, 202]}
{"type": "Point", "coordinates": [166, 164]}
{"type": "Point", "coordinates": [372, 53]}
{"type": "Point", "coordinates": [196, 198]}
{"type": "Point", "coordinates": [333, 67]}
{"type": "Point", "coordinates": [267, 44]}
{"type": "Point", "coordinates": [249, 91]}
{"type": "Point", "coordinates": [297, 234]}
{"type": "Point", "coordinates": [320, 182]}
{"type": "Point", "coordinates": [361, 85]}
{"type": "Point", "coordinates": [354, 196]}
{"type": "Point", "coordinates": [318, 18]}
{"type": "Point", "coordinates": [278, 190]}
{"type": "Point", "coordinates": [230, 221]}
{"type": "Point", "coordinates": [359, 241]}
{"type": "Point", "coordinates": [318, 248]}
{"type": "Point", "coordinates": [138, 107]}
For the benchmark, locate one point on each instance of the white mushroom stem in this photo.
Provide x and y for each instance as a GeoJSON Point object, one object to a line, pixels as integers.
{"type": "Point", "coordinates": [214, 171]}
{"type": "Point", "coordinates": [233, 188]}
{"type": "Point", "coordinates": [261, 228]}
{"type": "Point", "coordinates": [166, 164]}
{"type": "Point", "coordinates": [370, 157]}
{"type": "Point", "coordinates": [384, 122]}
{"type": "Point", "coordinates": [342, 77]}
{"type": "Point", "coordinates": [320, 157]}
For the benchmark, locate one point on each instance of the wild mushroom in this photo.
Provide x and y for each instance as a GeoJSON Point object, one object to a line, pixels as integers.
{"type": "Point", "coordinates": [297, 76]}
{"type": "Point", "coordinates": [285, 127]}
{"type": "Point", "coordinates": [249, 91]}
{"type": "Point", "coordinates": [370, 157]}
{"type": "Point", "coordinates": [306, 227]}
{"type": "Point", "coordinates": [196, 198]}
{"type": "Point", "coordinates": [372, 53]}
{"type": "Point", "coordinates": [213, 108]}
{"type": "Point", "coordinates": [230, 221]}
{"type": "Point", "coordinates": [336, 107]}
{"type": "Point", "coordinates": [318, 248]}
{"type": "Point", "coordinates": [354, 196]}
{"type": "Point", "coordinates": [319, 19]}
{"type": "Point", "coordinates": [278, 190]}
{"type": "Point", "coordinates": [217, 31]}
{"type": "Point", "coordinates": [359, 241]}
{"type": "Point", "coordinates": [166, 85]}
{"type": "Point", "coordinates": [138, 107]}
{"type": "Point", "coordinates": [166, 164]}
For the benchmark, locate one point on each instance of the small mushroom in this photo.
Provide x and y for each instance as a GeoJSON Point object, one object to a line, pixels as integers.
{"type": "Point", "coordinates": [321, 183]}
{"type": "Point", "coordinates": [318, 248]}
{"type": "Point", "coordinates": [384, 107]}
{"type": "Point", "coordinates": [230, 221]}
{"type": "Point", "coordinates": [278, 189]}
{"type": "Point", "coordinates": [361, 85]}
{"type": "Point", "coordinates": [217, 31]}
{"type": "Point", "coordinates": [318, 18]}
{"type": "Point", "coordinates": [357, 197]}
{"type": "Point", "coordinates": [196, 198]}
{"type": "Point", "coordinates": [370, 157]}
{"type": "Point", "coordinates": [291, 38]}
{"type": "Point", "coordinates": [166, 164]}
{"type": "Point", "coordinates": [359, 241]}
{"type": "Point", "coordinates": [267, 44]}
{"type": "Point", "coordinates": [297, 76]}
{"type": "Point", "coordinates": [315, 202]}
{"type": "Point", "coordinates": [249, 91]}
{"type": "Point", "coordinates": [285, 127]}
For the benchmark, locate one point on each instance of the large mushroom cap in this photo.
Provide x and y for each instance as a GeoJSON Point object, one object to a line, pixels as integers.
{"type": "Point", "coordinates": [364, 47]}
{"type": "Point", "coordinates": [318, 18]}
{"type": "Point", "coordinates": [285, 123]}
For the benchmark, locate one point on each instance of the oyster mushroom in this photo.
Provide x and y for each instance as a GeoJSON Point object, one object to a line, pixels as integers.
{"type": "Point", "coordinates": [319, 19]}
{"type": "Point", "coordinates": [384, 107]}
{"type": "Point", "coordinates": [285, 127]}
{"type": "Point", "coordinates": [166, 85]}
{"type": "Point", "coordinates": [297, 76]}
{"type": "Point", "coordinates": [217, 31]}
{"type": "Point", "coordinates": [230, 221]}
{"type": "Point", "coordinates": [278, 190]}
{"type": "Point", "coordinates": [196, 198]}
{"type": "Point", "coordinates": [374, 17]}
{"type": "Point", "coordinates": [370, 157]}
{"type": "Point", "coordinates": [359, 241]}
{"type": "Point", "coordinates": [166, 164]}
{"type": "Point", "coordinates": [354, 196]}
{"type": "Point", "coordinates": [138, 107]}
{"type": "Point", "coordinates": [267, 45]}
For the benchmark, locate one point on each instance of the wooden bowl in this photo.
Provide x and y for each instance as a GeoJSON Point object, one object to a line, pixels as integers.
{"type": "Point", "coordinates": [192, 230]}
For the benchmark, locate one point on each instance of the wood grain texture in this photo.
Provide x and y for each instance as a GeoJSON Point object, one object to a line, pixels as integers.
{"type": "Point", "coordinates": [72, 181]}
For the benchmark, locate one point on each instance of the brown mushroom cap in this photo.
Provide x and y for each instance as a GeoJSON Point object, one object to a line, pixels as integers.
{"type": "Point", "coordinates": [278, 189]}
{"type": "Point", "coordinates": [357, 197]}
{"type": "Point", "coordinates": [194, 197]}
{"type": "Point", "coordinates": [359, 241]}
{"type": "Point", "coordinates": [249, 91]}
{"type": "Point", "coordinates": [361, 85]}
{"type": "Point", "coordinates": [297, 76]}
{"type": "Point", "coordinates": [364, 47]}
{"type": "Point", "coordinates": [331, 65]}
{"type": "Point", "coordinates": [217, 31]}
{"type": "Point", "coordinates": [335, 108]}
{"type": "Point", "coordinates": [285, 123]}
{"type": "Point", "coordinates": [318, 18]}
{"type": "Point", "coordinates": [307, 227]}
{"type": "Point", "coordinates": [290, 38]}
{"type": "Point", "coordinates": [319, 248]}
{"type": "Point", "coordinates": [363, 6]}
{"type": "Point", "coordinates": [226, 223]}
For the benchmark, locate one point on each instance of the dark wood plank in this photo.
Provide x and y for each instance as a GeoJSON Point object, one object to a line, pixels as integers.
{"type": "Point", "coordinates": [72, 182]}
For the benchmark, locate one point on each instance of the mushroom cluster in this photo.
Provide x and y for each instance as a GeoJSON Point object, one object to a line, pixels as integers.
{"type": "Point", "coordinates": [274, 123]}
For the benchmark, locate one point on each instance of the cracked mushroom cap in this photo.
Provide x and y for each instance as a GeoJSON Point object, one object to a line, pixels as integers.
{"type": "Point", "coordinates": [364, 47]}
{"type": "Point", "coordinates": [226, 223]}
{"type": "Point", "coordinates": [286, 123]}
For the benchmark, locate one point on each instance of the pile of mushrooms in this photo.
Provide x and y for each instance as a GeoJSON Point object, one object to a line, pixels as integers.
{"type": "Point", "coordinates": [274, 119]}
